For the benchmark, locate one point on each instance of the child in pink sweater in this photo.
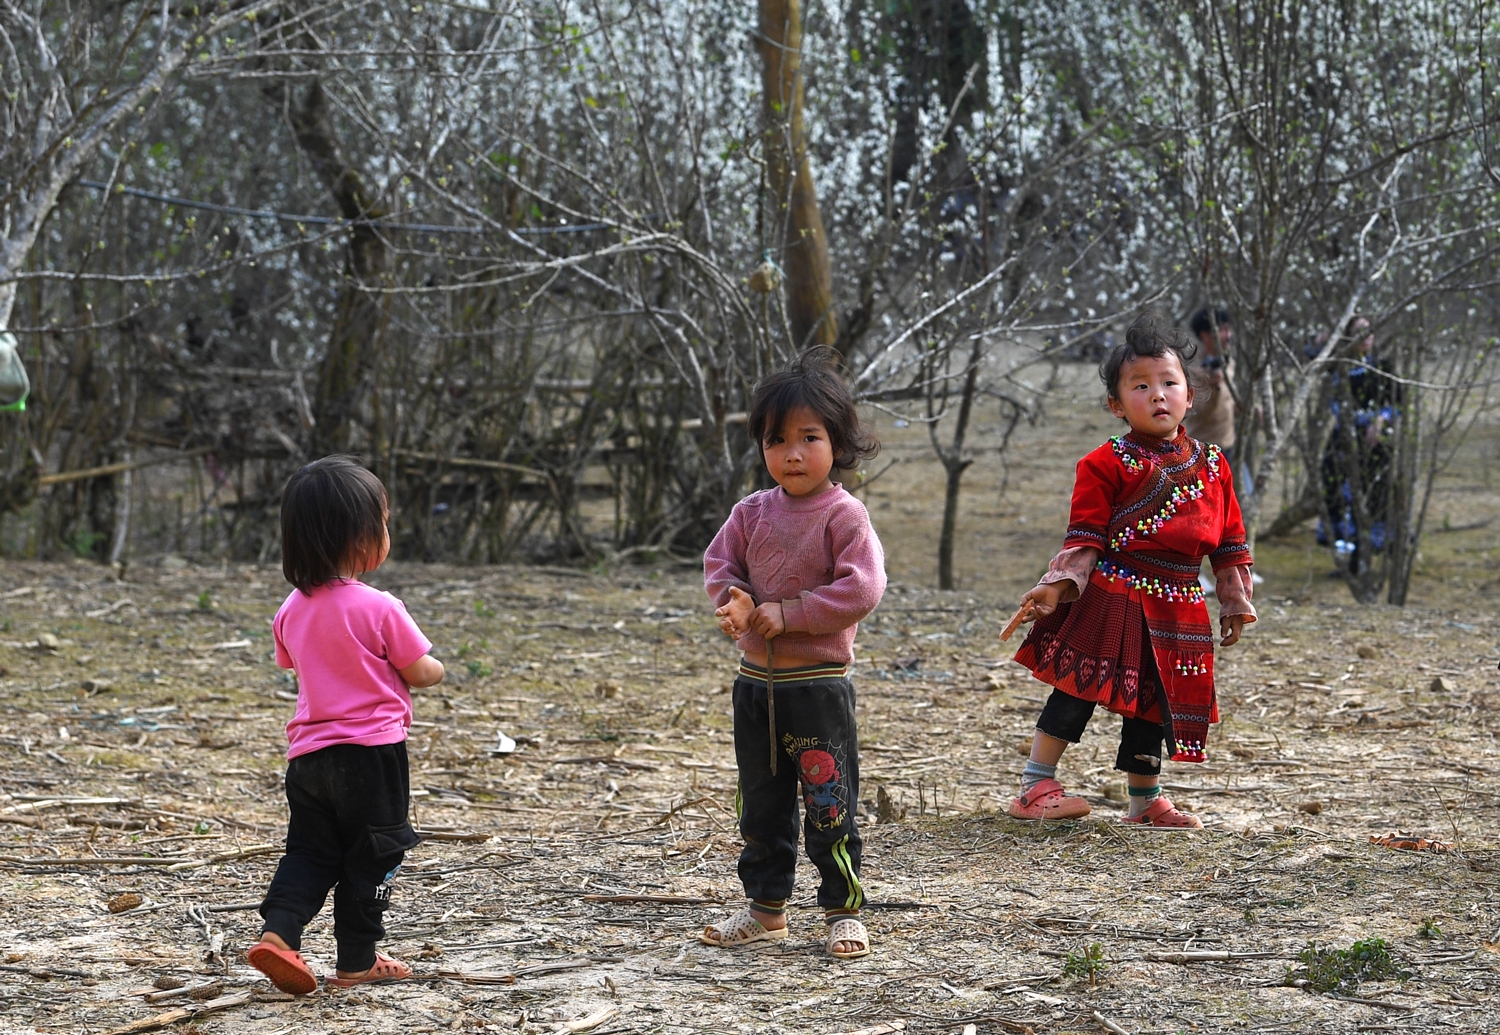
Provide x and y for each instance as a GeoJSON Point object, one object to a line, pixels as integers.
{"type": "Point", "coordinates": [791, 574]}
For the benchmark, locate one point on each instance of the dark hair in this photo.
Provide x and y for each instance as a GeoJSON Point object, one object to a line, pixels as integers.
{"type": "Point", "coordinates": [1203, 323]}
{"type": "Point", "coordinates": [331, 510]}
{"type": "Point", "coordinates": [1151, 336]}
{"type": "Point", "coordinates": [812, 380]}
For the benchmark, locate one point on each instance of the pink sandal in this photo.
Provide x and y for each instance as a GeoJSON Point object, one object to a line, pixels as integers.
{"type": "Point", "coordinates": [1162, 813]}
{"type": "Point", "coordinates": [1048, 800]}
{"type": "Point", "coordinates": [286, 968]}
{"type": "Point", "coordinates": [385, 969]}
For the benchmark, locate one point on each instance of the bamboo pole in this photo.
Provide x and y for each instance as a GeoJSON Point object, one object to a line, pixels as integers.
{"type": "Point", "coordinates": [129, 465]}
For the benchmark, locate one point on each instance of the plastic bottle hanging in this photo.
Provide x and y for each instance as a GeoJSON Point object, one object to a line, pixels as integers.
{"type": "Point", "coordinates": [15, 386]}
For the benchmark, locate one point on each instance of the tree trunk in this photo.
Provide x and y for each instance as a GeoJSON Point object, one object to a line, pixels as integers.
{"type": "Point", "coordinates": [360, 317]}
{"type": "Point", "coordinates": [809, 280]}
{"type": "Point", "coordinates": [1404, 517]}
{"type": "Point", "coordinates": [955, 463]}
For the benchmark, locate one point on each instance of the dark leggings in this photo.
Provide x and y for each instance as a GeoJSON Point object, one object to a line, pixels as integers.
{"type": "Point", "coordinates": [348, 831]}
{"type": "Point", "coordinates": [1065, 716]}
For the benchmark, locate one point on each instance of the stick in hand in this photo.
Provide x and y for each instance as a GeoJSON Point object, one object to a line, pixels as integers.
{"type": "Point", "coordinates": [1023, 614]}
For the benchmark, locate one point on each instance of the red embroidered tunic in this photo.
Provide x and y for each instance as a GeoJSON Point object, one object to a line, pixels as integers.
{"type": "Point", "coordinates": [1153, 510]}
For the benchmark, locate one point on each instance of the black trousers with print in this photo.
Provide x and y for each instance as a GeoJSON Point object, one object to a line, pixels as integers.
{"type": "Point", "coordinates": [348, 831]}
{"type": "Point", "coordinates": [818, 762]}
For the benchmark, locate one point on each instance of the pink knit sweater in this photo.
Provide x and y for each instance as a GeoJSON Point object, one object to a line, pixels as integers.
{"type": "Point", "coordinates": [816, 554]}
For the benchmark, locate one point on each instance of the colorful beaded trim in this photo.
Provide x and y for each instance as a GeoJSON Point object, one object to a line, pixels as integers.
{"type": "Point", "coordinates": [1151, 525]}
{"type": "Point", "coordinates": [1189, 592]}
{"type": "Point", "coordinates": [1118, 445]}
{"type": "Point", "coordinates": [1135, 465]}
{"type": "Point", "coordinates": [1215, 454]}
{"type": "Point", "coordinates": [1190, 665]}
{"type": "Point", "coordinates": [1191, 751]}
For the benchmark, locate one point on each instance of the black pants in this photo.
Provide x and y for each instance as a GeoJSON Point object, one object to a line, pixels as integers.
{"type": "Point", "coordinates": [348, 831]}
{"type": "Point", "coordinates": [1065, 716]}
{"type": "Point", "coordinates": [817, 760]}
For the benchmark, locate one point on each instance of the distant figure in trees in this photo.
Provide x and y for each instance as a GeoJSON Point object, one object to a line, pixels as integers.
{"type": "Point", "coordinates": [1356, 469]}
{"type": "Point", "coordinates": [1121, 619]}
{"type": "Point", "coordinates": [1211, 418]}
{"type": "Point", "coordinates": [356, 653]}
{"type": "Point", "coordinates": [791, 574]}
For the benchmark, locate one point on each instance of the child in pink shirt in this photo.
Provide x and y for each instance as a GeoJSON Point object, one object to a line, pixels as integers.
{"type": "Point", "coordinates": [356, 652]}
{"type": "Point", "coordinates": [791, 574]}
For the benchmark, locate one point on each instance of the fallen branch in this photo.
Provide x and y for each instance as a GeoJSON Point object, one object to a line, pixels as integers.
{"type": "Point", "coordinates": [1109, 1025]}
{"type": "Point", "coordinates": [215, 939]}
{"type": "Point", "coordinates": [1404, 1007]}
{"type": "Point", "coordinates": [590, 1022]}
{"type": "Point", "coordinates": [474, 979]}
{"type": "Point", "coordinates": [182, 1013]}
{"type": "Point", "coordinates": [888, 1028]}
{"type": "Point", "coordinates": [53, 803]}
{"type": "Point", "coordinates": [606, 760]}
{"type": "Point", "coordinates": [46, 972]}
{"type": "Point", "coordinates": [172, 863]}
{"type": "Point", "coordinates": [445, 835]}
{"type": "Point", "coordinates": [490, 978]}
{"type": "Point", "coordinates": [88, 860]}
{"type": "Point", "coordinates": [238, 853]}
{"type": "Point", "coordinates": [666, 900]}
{"type": "Point", "coordinates": [1213, 956]}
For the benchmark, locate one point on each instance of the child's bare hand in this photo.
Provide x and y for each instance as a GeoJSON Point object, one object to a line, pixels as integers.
{"type": "Point", "coordinates": [768, 620]}
{"type": "Point", "coordinates": [734, 617]}
{"type": "Point", "coordinates": [1044, 599]}
{"type": "Point", "coordinates": [1229, 628]}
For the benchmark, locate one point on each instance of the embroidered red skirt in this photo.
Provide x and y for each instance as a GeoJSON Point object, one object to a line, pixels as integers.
{"type": "Point", "coordinates": [1095, 648]}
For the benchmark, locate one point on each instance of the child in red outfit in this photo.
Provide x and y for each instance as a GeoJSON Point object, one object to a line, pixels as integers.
{"type": "Point", "coordinates": [1121, 619]}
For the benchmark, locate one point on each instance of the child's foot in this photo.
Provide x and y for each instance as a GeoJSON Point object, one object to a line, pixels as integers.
{"type": "Point", "coordinates": [281, 963]}
{"type": "Point", "coordinates": [1047, 800]}
{"type": "Point", "coordinates": [1162, 813]}
{"type": "Point", "coordinates": [385, 969]}
{"type": "Point", "coordinates": [745, 927]}
{"type": "Point", "coordinates": [847, 938]}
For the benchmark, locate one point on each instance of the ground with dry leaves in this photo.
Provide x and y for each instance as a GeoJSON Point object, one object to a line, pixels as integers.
{"type": "Point", "coordinates": [141, 754]}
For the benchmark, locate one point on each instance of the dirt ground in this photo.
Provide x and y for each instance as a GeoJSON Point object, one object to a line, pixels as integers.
{"type": "Point", "coordinates": [142, 755]}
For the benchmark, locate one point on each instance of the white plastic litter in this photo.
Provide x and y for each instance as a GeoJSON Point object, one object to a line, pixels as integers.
{"type": "Point", "coordinates": [506, 745]}
{"type": "Point", "coordinates": [14, 384]}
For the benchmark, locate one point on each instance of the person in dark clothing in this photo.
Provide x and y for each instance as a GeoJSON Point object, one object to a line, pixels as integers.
{"type": "Point", "coordinates": [1356, 468]}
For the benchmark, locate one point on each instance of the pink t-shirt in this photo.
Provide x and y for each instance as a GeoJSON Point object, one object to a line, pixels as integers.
{"type": "Point", "coordinates": [346, 642]}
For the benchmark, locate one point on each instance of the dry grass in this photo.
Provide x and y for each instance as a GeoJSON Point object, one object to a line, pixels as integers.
{"type": "Point", "coordinates": [624, 784]}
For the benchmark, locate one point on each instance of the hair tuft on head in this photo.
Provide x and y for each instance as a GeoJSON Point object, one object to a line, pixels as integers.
{"type": "Point", "coordinates": [1151, 336]}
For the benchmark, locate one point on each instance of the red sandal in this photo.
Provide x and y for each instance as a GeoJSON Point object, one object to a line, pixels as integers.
{"type": "Point", "coordinates": [1048, 800]}
{"type": "Point", "coordinates": [1163, 814]}
{"type": "Point", "coordinates": [286, 968]}
{"type": "Point", "coordinates": [385, 969]}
